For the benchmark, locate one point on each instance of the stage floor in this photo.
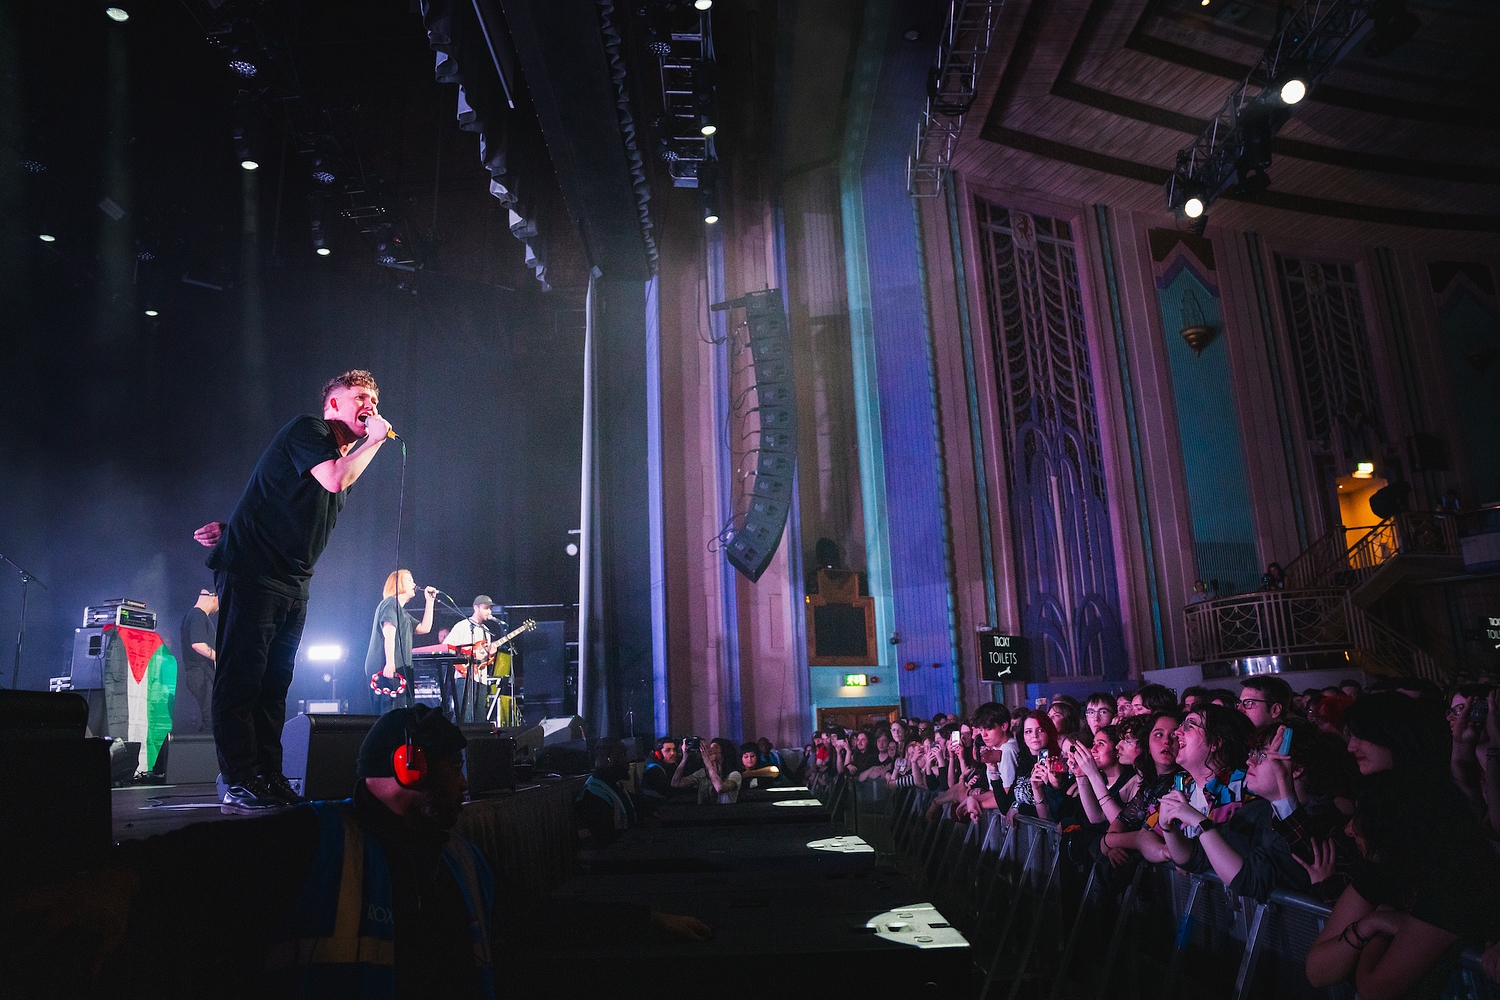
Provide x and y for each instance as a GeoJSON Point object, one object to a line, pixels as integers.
{"type": "Point", "coordinates": [139, 811]}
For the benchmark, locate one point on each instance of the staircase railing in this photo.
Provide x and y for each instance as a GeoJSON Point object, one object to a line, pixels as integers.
{"type": "Point", "coordinates": [1291, 622]}
{"type": "Point", "coordinates": [1334, 561]}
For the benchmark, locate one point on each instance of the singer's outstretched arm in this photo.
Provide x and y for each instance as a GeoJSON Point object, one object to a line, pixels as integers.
{"type": "Point", "coordinates": [338, 474]}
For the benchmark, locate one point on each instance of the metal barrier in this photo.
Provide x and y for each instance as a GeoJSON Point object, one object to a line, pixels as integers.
{"type": "Point", "coordinates": [1011, 888]}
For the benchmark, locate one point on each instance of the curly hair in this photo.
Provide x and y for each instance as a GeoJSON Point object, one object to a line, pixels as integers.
{"type": "Point", "coordinates": [1228, 734]}
{"type": "Point", "coordinates": [351, 378]}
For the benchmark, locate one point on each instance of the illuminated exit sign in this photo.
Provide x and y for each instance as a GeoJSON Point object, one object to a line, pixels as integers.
{"type": "Point", "coordinates": [856, 680]}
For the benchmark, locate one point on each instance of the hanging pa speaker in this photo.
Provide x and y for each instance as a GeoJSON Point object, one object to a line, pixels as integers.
{"type": "Point", "coordinates": [755, 543]}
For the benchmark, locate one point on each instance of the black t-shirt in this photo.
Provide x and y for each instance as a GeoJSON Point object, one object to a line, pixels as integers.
{"type": "Point", "coordinates": [390, 612]}
{"type": "Point", "coordinates": [282, 522]}
{"type": "Point", "coordinates": [196, 628]}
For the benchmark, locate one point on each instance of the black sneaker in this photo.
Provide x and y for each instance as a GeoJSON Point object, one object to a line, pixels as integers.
{"type": "Point", "coordinates": [250, 798]}
{"type": "Point", "coordinates": [281, 787]}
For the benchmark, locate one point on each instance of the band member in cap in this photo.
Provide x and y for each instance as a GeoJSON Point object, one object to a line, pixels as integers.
{"type": "Point", "coordinates": [476, 634]}
{"type": "Point", "coordinates": [262, 560]}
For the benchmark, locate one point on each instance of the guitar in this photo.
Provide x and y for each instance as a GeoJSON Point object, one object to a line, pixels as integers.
{"type": "Point", "coordinates": [493, 645]}
{"type": "Point", "coordinates": [394, 686]}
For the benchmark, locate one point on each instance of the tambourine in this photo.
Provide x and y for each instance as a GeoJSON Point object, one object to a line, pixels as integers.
{"type": "Point", "coordinates": [393, 686]}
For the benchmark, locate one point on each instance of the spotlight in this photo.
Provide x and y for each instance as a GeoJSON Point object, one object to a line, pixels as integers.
{"type": "Point", "coordinates": [117, 14]}
{"type": "Point", "coordinates": [248, 164]}
{"type": "Point", "coordinates": [145, 255]}
{"type": "Point", "coordinates": [325, 654]}
{"type": "Point", "coordinates": [33, 166]}
{"type": "Point", "coordinates": [240, 67]}
{"type": "Point", "coordinates": [703, 4]}
{"type": "Point", "coordinates": [323, 170]}
{"type": "Point", "coordinates": [708, 129]}
{"type": "Point", "coordinates": [572, 549]}
{"type": "Point", "coordinates": [47, 238]}
{"type": "Point", "coordinates": [1252, 182]}
{"type": "Point", "coordinates": [1293, 90]}
{"type": "Point", "coordinates": [1193, 207]}
{"type": "Point", "coordinates": [323, 177]}
{"type": "Point", "coordinates": [911, 34]}
{"type": "Point", "coordinates": [152, 313]}
{"type": "Point", "coordinates": [323, 251]}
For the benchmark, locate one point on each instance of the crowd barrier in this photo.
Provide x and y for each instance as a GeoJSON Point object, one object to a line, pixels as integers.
{"type": "Point", "coordinates": [1062, 926]}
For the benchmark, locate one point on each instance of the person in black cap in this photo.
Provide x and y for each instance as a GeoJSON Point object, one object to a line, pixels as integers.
{"type": "Point", "coordinates": [369, 896]}
{"type": "Point", "coordinates": [475, 633]}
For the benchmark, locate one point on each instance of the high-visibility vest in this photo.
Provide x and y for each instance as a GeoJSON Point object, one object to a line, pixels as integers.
{"type": "Point", "coordinates": [340, 940]}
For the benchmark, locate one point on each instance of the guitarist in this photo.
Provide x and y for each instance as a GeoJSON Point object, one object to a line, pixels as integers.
{"type": "Point", "coordinates": [475, 635]}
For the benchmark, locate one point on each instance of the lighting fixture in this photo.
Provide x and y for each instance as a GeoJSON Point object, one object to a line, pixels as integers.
{"type": "Point", "coordinates": [33, 166]}
{"type": "Point", "coordinates": [240, 67]}
{"type": "Point", "coordinates": [1293, 91]}
{"type": "Point", "coordinates": [1364, 470]}
{"type": "Point", "coordinates": [152, 313]}
{"type": "Point", "coordinates": [117, 14]}
{"type": "Point", "coordinates": [248, 164]}
{"type": "Point", "coordinates": [710, 219]}
{"type": "Point", "coordinates": [325, 654]}
{"type": "Point", "coordinates": [911, 34]}
{"type": "Point", "coordinates": [1193, 207]}
{"type": "Point", "coordinates": [47, 238]}
{"type": "Point", "coordinates": [708, 129]}
{"type": "Point", "coordinates": [572, 549]}
{"type": "Point", "coordinates": [703, 4]}
{"type": "Point", "coordinates": [323, 177]}
{"type": "Point", "coordinates": [323, 251]}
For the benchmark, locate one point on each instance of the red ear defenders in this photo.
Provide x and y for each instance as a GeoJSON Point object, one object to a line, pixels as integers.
{"type": "Point", "coordinates": [409, 763]}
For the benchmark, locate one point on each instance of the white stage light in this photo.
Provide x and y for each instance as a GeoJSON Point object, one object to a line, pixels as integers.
{"type": "Point", "coordinates": [325, 654]}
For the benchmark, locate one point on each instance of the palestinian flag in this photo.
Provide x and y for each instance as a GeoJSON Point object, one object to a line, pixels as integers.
{"type": "Point", "coordinates": [150, 688]}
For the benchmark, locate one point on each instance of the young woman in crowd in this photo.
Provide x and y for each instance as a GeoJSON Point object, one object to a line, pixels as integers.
{"type": "Point", "coordinates": [1104, 782]}
{"type": "Point", "coordinates": [1065, 717]}
{"type": "Point", "coordinates": [1389, 731]}
{"type": "Point", "coordinates": [1044, 795]}
{"type": "Point", "coordinates": [1424, 893]}
{"type": "Point", "coordinates": [1213, 744]}
{"type": "Point", "coordinates": [1474, 730]}
{"type": "Point", "coordinates": [1134, 829]}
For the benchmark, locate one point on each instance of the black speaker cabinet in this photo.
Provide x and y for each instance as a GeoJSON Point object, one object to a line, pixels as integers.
{"type": "Point", "coordinates": [489, 759]}
{"type": "Point", "coordinates": [320, 752]}
{"type": "Point", "coordinates": [87, 671]}
{"type": "Point", "coordinates": [544, 667]}
{"type": "Point", "coordinates": [189, 759]}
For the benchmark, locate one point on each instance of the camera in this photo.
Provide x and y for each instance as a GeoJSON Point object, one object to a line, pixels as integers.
{"type": "Point", "coordinates": [694, 743]}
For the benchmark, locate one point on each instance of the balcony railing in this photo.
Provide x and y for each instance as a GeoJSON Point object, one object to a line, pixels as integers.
{"type": "Point", "coordinates": [1291, 622]}
{"type": "Point", "coordinates": [1347, 557]}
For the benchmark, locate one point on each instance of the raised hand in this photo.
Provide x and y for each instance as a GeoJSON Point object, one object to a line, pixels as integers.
{"type": "Point", "coordinates": [208, 535]}
{"type": "Point", "coordinates": [1324, 860]}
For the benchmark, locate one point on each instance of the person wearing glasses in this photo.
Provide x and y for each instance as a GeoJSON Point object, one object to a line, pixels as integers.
{"type": "Point", "coordinates": [1265, 699]}
{"type": "Point", "coordinates": [1099, 711]}
{"type": "Point", "coordinates": [1213, 744]}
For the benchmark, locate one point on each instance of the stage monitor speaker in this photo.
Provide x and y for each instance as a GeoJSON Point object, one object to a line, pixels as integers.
{"type": "Point", "coordinates": [320, 753]}
{"type": "Point", "coordinates": [528, 739]}
{"type": "Point", "coordinates": [563, 730]}
{"type": "Point", "coordinates": [544, 670]}
{"type": "Point", "coordinates": [55, 786]}
{"type": "Point", "coordinates": [753, 545]}
{"type": "Point", "coordinates": [489, 759]}
{"type": "Point", "coordinates": [42, 715]}
{"type": "Point", "coordinates": [189, 759]}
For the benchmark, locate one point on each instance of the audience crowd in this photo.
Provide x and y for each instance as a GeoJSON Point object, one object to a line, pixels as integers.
{"type": "Point", "coordinates": [1384, 802]}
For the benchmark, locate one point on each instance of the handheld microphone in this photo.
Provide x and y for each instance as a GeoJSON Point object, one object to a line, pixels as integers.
{"type": "Point", "coordinates": [390, 432]}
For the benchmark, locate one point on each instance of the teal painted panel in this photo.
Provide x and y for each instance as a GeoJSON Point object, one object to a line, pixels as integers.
{"type": "Point", "coordinates": [1213, 455]}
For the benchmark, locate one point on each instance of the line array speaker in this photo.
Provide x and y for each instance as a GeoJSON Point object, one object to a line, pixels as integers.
{"type": "Point", "coordinates": [753, 545]}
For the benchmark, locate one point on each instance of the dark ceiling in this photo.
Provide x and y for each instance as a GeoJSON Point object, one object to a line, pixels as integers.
{"type": "Point", "coordinates": [1115, 89]}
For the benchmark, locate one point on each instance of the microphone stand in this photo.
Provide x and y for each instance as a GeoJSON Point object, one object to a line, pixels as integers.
{"type": "Point", "coordinates": [26, 578]}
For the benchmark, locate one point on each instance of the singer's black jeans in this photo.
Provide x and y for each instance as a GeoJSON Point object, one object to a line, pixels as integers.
{"type": "Point", "coordinates": [259, 631]}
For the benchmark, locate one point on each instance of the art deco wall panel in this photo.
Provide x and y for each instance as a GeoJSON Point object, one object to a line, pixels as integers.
{"type": "Point", "coordinates": [1059, 500]}
{"type": "Point", "coordinates": [1469, 323]}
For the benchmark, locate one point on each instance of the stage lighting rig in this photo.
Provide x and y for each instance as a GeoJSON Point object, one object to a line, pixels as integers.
{"type": "Point", "coordinates": [682, 40]}
{"type": "Point", "coordinates": [1234, 149]}
{"type": "Point", "coordinates": [952, 85]}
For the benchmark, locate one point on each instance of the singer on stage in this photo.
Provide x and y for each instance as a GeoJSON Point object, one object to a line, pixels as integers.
{"type": "Point", "coordinates": [388, 660]}
{"type": "Point", "coordinates": [262, 560]}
